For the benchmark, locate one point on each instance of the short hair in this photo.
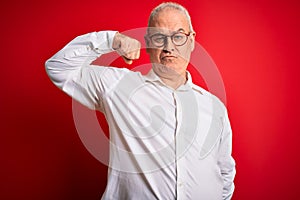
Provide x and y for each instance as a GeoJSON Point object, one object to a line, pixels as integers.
{"type": "Point", "coordinates": [173, 5]}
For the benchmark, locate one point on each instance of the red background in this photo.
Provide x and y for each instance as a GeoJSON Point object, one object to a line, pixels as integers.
{"type": "Point", "coordinates": [255, 45]}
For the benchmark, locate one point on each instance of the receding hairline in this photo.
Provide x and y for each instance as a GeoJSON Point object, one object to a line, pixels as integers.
{"type": "Point", "coordinates": [169, 5]}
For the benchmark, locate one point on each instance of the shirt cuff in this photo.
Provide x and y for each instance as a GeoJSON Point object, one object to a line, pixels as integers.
{"type": "Point", "coordinates": [103, 41]}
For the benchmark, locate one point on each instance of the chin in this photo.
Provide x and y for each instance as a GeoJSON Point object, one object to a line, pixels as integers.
{"type": "Point", "coordinates": [170, 69]}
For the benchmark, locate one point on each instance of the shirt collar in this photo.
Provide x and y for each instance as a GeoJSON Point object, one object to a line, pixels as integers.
{"type": "Point", "coordinates": [152, 77]}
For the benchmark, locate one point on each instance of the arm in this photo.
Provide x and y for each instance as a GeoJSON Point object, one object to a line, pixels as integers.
{"type": "Point", "coordinates": [225, 161]}
{"type": "Point", "coordinates": [70, 69]}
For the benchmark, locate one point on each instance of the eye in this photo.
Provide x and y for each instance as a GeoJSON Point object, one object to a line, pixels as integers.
{"type": "Point", "coordinates": [159, 38]}
{"type": "Point", "coordinates": [178, 37]}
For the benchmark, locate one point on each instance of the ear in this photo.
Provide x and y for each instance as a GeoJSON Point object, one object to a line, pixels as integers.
{"type": "Point", "coordinates": [193, 41]}
{"type": "Point", "coordinates": [147, 43]}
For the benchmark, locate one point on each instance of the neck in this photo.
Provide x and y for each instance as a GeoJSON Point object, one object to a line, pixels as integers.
{"type": "Point", "coordinates": [174, 81]}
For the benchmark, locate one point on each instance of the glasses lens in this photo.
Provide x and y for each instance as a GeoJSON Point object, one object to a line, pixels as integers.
{"type": "Point", "coordinates": [158, 39]}
{"type": "Point", "coordinates": [179, 39]}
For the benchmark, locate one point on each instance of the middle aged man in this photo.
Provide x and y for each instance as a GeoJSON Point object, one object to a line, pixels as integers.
{"type": "Point", "coordinates": [170, 139]}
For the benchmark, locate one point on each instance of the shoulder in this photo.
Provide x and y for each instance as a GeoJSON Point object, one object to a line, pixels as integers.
{"type": "Point", "coordinates": [218, 106]}
{"type": "Point", "coordinates": [111, 72]}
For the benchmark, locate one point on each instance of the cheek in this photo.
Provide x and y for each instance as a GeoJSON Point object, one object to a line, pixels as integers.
{"type": "Point", "coordinates": [185, 53]}
{"type": "Point", "coordinates": [154, 55]}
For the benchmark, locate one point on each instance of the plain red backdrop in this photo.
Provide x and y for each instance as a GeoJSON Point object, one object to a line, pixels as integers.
{"type": "Point", "coordinates": [255, 45]}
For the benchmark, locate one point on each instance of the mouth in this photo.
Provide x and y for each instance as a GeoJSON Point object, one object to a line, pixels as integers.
{"type": "Point", "coordinates": [168, 57]}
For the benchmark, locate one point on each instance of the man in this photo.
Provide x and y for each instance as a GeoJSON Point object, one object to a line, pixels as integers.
{"type": "Point", "coordinates": [170, 139]}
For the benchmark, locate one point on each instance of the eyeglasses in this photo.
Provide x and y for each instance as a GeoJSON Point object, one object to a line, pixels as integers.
{"type": "Point", "coordinates": [178, 39]}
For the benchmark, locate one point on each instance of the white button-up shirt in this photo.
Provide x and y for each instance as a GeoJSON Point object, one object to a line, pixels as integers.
{"type": "Point", "coordinates": [165, 143]}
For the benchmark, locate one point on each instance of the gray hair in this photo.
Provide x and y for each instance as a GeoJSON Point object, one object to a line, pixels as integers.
{"type": "Point", "coordinates": [173, 5]}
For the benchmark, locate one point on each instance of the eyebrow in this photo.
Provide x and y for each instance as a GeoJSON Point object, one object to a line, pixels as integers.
{"type": "Point", "coordinates": [180, 30]}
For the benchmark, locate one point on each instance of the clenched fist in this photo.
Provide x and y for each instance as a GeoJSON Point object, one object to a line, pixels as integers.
{"type": "Point", "coordinates": [126, 47]}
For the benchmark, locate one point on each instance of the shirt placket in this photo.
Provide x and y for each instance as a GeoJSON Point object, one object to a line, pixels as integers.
{"type": "Point", "coordinates": [180, 184]}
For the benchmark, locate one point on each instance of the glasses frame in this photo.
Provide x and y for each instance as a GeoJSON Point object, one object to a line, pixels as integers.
{"type": "Point", "coordinates": [170, 36]}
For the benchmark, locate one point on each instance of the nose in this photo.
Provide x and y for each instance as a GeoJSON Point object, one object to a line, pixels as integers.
{"type": "Point", "coordinates": [168, 46]}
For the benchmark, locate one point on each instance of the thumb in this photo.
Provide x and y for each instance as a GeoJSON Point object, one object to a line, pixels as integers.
{"type": "Point", "coordinates": [128, 61]}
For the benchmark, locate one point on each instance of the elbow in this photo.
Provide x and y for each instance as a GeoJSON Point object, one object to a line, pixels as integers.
{"type": "Point", "coordinates": [47, 66]}
{"type": "Point", "coordinates": [49, 69]}
{"type": "Point", "coordinates": [53, 72]}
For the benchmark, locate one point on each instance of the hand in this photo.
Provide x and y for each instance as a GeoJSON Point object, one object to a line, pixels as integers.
{"type": "Point", "coordinates": [126, 47]}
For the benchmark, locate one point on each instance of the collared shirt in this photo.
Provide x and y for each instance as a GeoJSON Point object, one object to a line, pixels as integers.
{"type": "Point", "coordinates": [165, 143]}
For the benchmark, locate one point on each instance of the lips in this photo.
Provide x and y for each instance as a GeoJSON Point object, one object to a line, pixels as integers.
{"type": "Point", "coordinates": [168, 57]}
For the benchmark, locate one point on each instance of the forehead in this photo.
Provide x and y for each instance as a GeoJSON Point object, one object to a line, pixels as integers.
{"type": "Point", "coordinates": [170, 19]}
